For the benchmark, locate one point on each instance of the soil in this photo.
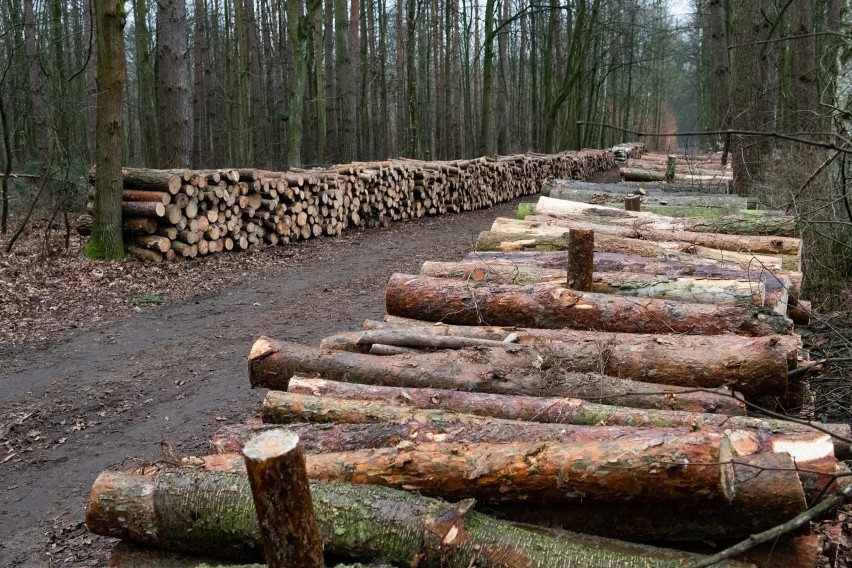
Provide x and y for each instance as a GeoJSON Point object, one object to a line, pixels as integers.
{"type": "Point", "coordinates": [105, 365]}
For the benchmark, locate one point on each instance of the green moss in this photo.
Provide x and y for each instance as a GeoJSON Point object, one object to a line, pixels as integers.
{"type": "Point", "coordinates": [98, 251]}
{"type": "Point", "coordinates": [525, 209]}
{"type": "Point", "coordinates": [662, 422]}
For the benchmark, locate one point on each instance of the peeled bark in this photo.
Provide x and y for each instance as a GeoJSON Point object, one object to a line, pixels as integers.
{"type": "Point", "coordinates": [552, 306]}
{"type": "Point", "coordinates": [523, 370]}
{"type": "Point", "coordinates": [211, 512]}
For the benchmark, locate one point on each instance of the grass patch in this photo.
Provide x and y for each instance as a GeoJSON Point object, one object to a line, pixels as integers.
{"type": "Point", "coordinates": [525, 209]}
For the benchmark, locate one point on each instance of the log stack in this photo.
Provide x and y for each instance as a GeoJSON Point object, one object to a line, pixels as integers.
{"type": "Point", "coordinates": [178, 214]}
{"type": "Point", "coordinates": [493, 381]}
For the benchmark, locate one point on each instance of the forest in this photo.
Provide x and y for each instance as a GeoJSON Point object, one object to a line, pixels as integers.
{"type": "Point", "coordinates": [273, 84]}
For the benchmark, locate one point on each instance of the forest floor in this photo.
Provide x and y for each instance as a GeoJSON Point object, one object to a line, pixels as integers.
{"type": "Point", "coordinates": [100, 363]}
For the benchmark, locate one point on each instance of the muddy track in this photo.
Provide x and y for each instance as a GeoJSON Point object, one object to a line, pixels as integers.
{"type": "Point", "coordinates": [110, 396]}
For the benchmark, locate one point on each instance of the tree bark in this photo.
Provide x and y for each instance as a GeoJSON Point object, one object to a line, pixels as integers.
{"type": "Point", "coordinates": [552, 306]}
{"type": "Point", "coordinates": [774, 282]}
{"type": "Point", "coordinates": [173, 100]}
{"type": "Point", "coordinates": [197, 510]}
{"type": "Point", "coordinates": [319, 400]}
{"type": "Point", "coordinates": [272, 363]}
{"type": "Point", "coordinates": [282, 499]}
{"type": "Point", "coordinates": [563, 212]}
{"type": "Point", "coordinates": [687, 289]}
{"type": "Point", "coordinates": [106, 241]}
{"type": "Point", "coordinates": [604, 196]}
{"type": "Point", "coordinates": [685, 360]}
{"type": "Point", "coordinates": [581, 247]}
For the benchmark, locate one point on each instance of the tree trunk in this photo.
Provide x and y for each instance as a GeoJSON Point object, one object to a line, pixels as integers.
{"type": "Point", "coordinates": [673, 359]}
{"type": "Point", "coordinates": [210, 512]}
{"type": "Point", "coordinates": [175, 110]}
{"type": "Point", "coordinates": [311, 399]}
{"type": "Point", "coordinates": [272, 363]}
{"type": "Point", "coordinates": [562, 213]}
{"type": "Point", "coordinates": [552, 306]}
{"type": "Point", "coordinates": [581, 247]}
{"type": "Point", "coordinates": [106, 241]}
{"type": "Point", "coordinates": [774, 282]}
{"type": "Point", "coordinates": [714, 518]}
{"type": "Point", "coordinates": [686, 289]}
{"type": "Point", "coordinates": [282, 498]}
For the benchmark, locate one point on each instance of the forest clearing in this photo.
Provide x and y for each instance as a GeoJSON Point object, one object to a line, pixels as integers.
{"type": "Point", "coordinates": [425, 283]}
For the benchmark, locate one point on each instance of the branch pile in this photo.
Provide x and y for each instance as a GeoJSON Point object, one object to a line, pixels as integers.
{"type": "Point", "coordinates": [176, 214]}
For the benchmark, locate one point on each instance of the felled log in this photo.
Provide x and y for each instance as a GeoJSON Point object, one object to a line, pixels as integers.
{"type": "Point", "coordinates": [779, 285]}
{"type": "Point", "coordinates": [753, 225]}
{"type": "Point", "coordinates": [685, 360]}
{"type": "Point", "coordinates": [605, 196]}
{"type": "Point", "coordinates": [320, 400]}
{"type": "Point", "coordinates": [626, 188]}
{"type": "Point", "coordinates": [512, 235]}
{"type": "Point", "coordinates": [686, 289]}
{"type": "Point", "coordinates": [638, 224]}
{"type": "Point", "coordinates": [198, 510]}
{"type": "Point", "coordinates": [282, 498]}
{"type": "Point", "coordinates": [553, 306]}
{"type": "Point", "coordinates": [439, 427]}
{"type": "Point", "coordinates": [520, 371]}
{"type": "Point", "coordinates": [151, 180]}
{"type": "Point", "coordinates": [653, 472]}
{"type": "Point", "coordinates": [642, 174]}
{"type": "Point", "coordinates": [150, 209]}
{"type": "Point", "coordinates": [144, 254]}
{"type": "Point", "coordinates": [581, 247]}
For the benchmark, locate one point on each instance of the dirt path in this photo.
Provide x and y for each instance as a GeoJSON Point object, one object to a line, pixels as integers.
{"type": "Point", "coordinates": [110, 396]}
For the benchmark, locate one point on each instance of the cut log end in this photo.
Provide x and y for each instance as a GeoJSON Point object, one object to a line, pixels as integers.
{"type": "Point", "coordinates": [261, 348]}
{"type": "Point", "coordinates": [270, 445]}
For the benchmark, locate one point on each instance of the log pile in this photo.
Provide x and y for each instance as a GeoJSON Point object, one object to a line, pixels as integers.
{"type": "Point", "coordinates": [493, 384]}
{"type": "Point", "coordinates": [675, 168]}
{"type": "Point", "coordinates": [627, 150]}
{"type": "Point", "coordinates": [178, 214]}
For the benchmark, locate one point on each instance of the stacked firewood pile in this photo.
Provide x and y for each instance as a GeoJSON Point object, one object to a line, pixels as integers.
{"type": "Point", "coordinates": [178, 214]}
{"type": "Point", "coordinates": [625, 151]}
{"type": "Point", "coordinates": [623, 404]}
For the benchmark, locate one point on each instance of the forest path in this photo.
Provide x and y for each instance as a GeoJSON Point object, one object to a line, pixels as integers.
{"type": "Point", "coordinates": [110, 396]}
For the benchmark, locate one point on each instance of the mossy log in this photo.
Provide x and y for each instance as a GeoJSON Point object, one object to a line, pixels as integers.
{"type": "Point", "coordinates": [628, 187]}
{"type": "Point", "coordinates": [753, 225]}
{"type": "Point", "coordinates": [553, 306]}
{"type": "Point", "coordinates": [633, 224]}
{"type": "Point", "coordinates": [686, 360]}
{"type": "Point", "coordinates": [776, 282]}
{"type": "Point", "coordinates": [606, 197]}
{"type": "Point", "coordinates": [196, 510]}
{"type": "Point", "coordinates": [522, 370]}
{"type": "Point", "coordinates": [682, 289]}
{"type": "Point", "coordinates": [512, 235]}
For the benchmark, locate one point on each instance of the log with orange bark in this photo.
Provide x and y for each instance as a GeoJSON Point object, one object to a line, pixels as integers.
{"type": "Point", "coordinates": [807, 442]}
{"type": "Point", "coordinates": [554, 306]}
{"type": "Point", "coordinates": [521, 370]}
